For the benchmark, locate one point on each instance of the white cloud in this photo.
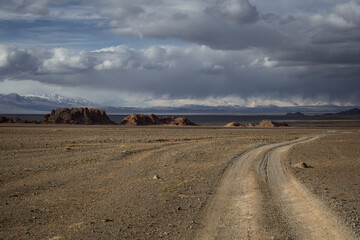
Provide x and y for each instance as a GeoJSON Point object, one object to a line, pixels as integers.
{"type": "Point", "coordinates": [62, 60]}
{"type": "Point", "coordinates": [269, 63]}
{"type": "Point", "coordinates": [343, 16]}
{"type": "Point", "coordinates": [3, 56]}
{"type": "Point", "coordinates": [331, 21]}
{"type": "Point", "coordinates": [349, 11]}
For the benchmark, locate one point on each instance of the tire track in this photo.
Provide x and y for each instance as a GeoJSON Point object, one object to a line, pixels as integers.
{"type": "Point", "coordinates": [308, 217]}
{"type": "Point", "coordinates": [258, 199]}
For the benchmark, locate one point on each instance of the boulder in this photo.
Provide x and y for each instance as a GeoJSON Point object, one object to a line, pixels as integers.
{"type": "Point", "coordinates": [77, 116]}
{"type": "Point", "coordinates": [301, 165]}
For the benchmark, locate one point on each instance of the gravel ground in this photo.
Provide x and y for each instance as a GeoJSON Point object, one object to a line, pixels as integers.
{"type": "Point", "coordinates": [334, 173]}
{"type": "Point", "coordinates": [97, 182]}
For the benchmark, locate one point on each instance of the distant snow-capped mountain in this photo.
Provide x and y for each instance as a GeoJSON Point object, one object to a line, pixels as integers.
{"type": "Point", "coordinates": [32, 104]}
{"type": "Point", "coordinates": [14, 103]}
{"type": "Point", "coordinates": [59, 99]}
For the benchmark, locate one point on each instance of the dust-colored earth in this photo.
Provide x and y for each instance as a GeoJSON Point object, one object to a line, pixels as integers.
{"type": "Point", "coordinates": [116, 182]}
{"type": "Point", "coordinates": [334, 175]}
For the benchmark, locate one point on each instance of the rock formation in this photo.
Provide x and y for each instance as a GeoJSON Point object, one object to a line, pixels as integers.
{"type": "Point", "coordinates": [4, 119]}
{"type": "Point", "coordinates": [77, 116]}
{"type": "Point", "coordinates": [236, 124]}
{"type": "Point", "coordinates": [263, 123]}
{"type": "Point", "coordinates": [269, 123]}
{"type": "Point", "coordinates": [179, 121]}
{"type": "Point", "coordinates": [141, 119]}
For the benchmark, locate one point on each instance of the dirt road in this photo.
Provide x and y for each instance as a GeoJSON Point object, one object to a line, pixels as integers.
{"type": "Point", "coordinates": [97, 182]}
{"type": "Point", "coordinates": [258, 199]}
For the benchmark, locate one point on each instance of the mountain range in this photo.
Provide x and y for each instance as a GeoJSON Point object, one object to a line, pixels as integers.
{"type": "Point", "coordinates": [33, 104]}
{"type": "Point", "coordinates": [14, 103]}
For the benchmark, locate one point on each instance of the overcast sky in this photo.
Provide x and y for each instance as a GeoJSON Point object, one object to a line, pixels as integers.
{"type": "Point", "coordinates": [175, 52]}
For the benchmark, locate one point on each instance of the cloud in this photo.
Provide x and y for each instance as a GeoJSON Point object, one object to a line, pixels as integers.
{"type": "Point", "coordinates": [236, 11]}
{"type": "Point", "coordinates": [191, 72]}
{"type": "Point", "coordinates": [221, 24]}
{"type": "Point", "coordinates": [123, 12]}
{"type": "Point", "coordinates": [246, 48]}
{"type": "Point", "coordinates": [15, 61]}
{"type": "Point", "coordinates": [37, 7]}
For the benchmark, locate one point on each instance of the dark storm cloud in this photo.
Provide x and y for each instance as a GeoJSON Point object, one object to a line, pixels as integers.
{"type": "Point", "coordinates": [179, 72]}
{"type": "Point", "coordinates": [264, 49]}
{"type": "Point", "coordinates": [233, 10]}
{"type": "Point", "coordinates": [14, 61]}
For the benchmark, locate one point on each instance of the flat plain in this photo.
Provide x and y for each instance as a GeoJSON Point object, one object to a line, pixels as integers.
{"type": "Point", "coordinates": [116, 182]}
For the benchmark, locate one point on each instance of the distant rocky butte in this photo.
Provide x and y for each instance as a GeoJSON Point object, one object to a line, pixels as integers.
{"type": "Point", "coordinates": [152, 119]}
{"type": "Point", "coordinates": [77, 116]}
{"type": "Point", "coordinates": [263, 123]}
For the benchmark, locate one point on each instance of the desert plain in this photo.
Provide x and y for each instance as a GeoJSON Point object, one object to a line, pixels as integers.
{"type": "Point", "coordinates": [166, 182]}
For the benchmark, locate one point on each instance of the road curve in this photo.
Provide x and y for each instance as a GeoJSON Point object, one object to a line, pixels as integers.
{"type": "Point", "coordinates": [258, 199]}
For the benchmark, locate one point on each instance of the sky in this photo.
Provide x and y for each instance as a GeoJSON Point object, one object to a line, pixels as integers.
{"type": "Point", "coordinates": [176, 52]}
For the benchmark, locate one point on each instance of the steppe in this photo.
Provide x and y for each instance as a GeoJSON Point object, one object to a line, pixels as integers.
{"type": "Point", "coordinates": [121, 182]}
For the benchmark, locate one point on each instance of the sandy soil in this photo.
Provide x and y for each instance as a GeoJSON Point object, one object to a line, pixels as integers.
{"type": "Point", "coordinates": [78, 182]}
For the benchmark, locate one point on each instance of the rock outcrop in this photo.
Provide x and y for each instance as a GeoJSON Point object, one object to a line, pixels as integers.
{"type": "Point", "coordinates": [77, 116]}
{"type": "Point", "coordinates": [263, 123]}
{"type": "Point", "coordinates": [179, 121]}
{"type": "Point", "coordinates": [141, 119]}
{"type": "Point", "coordinates": [4, 119]}
{"type": "Point", "coordinates": [269, 123]}
{"type": "Point", "coordinates": [236, 124]}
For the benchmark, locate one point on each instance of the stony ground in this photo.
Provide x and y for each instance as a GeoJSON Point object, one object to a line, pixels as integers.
{"type": "Point", "coordinates": [334, 175]}
{"type": "Point", "coordinates": [78, 182]}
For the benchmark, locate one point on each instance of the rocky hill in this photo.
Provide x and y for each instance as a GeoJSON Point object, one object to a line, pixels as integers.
{"type": "Point", "coordinates": [263, 123]}
{"type": "Point", "coordinates": [77, 116]}
{"type": "Point", "coordinates": [236, 124]}
{"type": "Point", "coordinates": [4, 119]}
{"type": "Point", "coordinates": [351, 112]}
{"type": "Point", "coordinates": [152, 119]}
{"type": "Point", "coordinates": [269, 123]}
